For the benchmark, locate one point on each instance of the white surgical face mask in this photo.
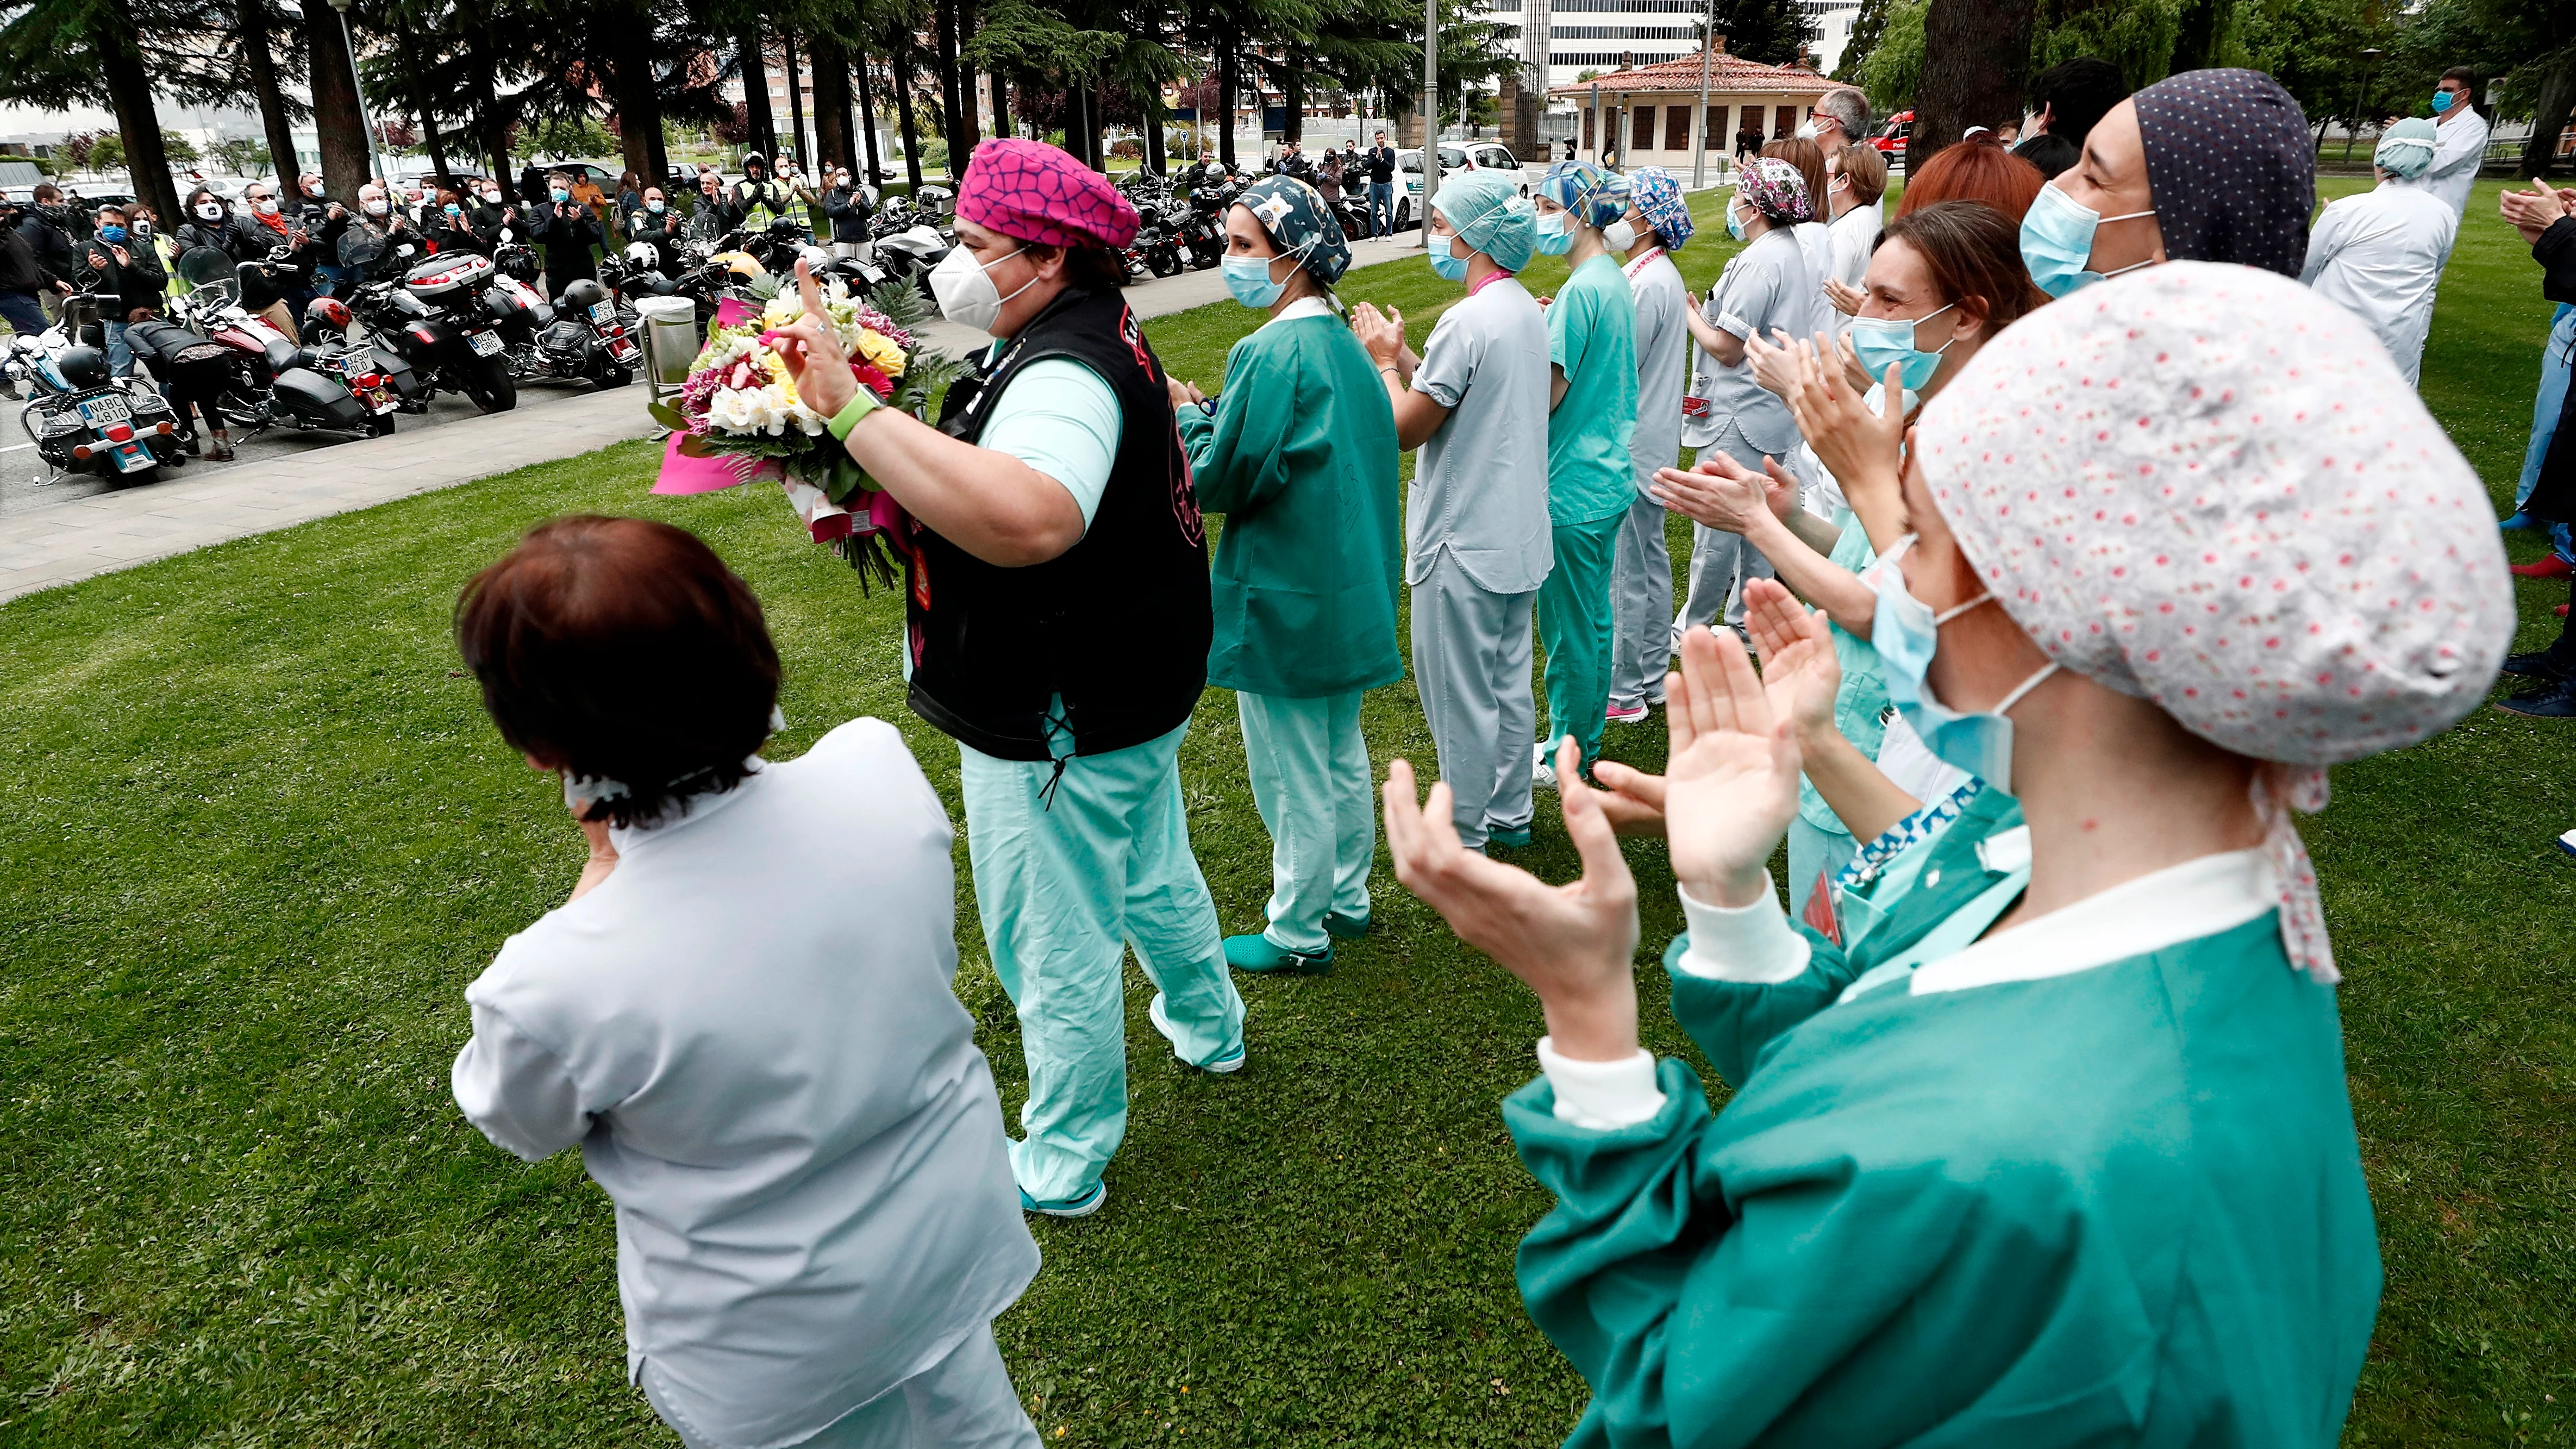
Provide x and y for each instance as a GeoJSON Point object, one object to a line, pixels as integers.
{"type": "Point", "coordinates": [266, 206]}
{"type": "Point", "coordinates": [965, 292]}
{"type": "Point", "coordinates": [1807, 132]}
{"type": "Point", "coordinates": [210, 211]}
{"type": "Point", "coordinates": [375, 208]}
{"type": "Point", "coordinates": [1619, 235]}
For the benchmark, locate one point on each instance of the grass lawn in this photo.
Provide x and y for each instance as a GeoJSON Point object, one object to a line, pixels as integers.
{"type": "Point", "coordinates": [260, 836]}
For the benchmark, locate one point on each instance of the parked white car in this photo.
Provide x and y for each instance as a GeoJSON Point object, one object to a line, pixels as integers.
{"type": "Point", "coordinates": [1455, 157]}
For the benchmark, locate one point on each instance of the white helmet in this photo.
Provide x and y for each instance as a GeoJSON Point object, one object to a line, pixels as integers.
{"type": "Point", "coordinates": [816, 258]}
{"type": "Point", "coordinates": [642, 256]}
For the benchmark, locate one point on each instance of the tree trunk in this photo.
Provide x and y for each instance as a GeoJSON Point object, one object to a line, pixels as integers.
{"type": "Point", "coordinates": [831, 101]}
{"type": "Point", "coordinates": [1225, 80]}
{"type": "Point", "coordinates": [795, 104]}
{"type": "Point", "coordinates": [491, 121]}
{"type": "Point", "coordinates": [1976, 54]}
{"type": "Point", "coordinates": [962, 146]}
{"type": "Point", "coordinates": [407, 44]}
{"type": "Point", "coordinates": [751, 57]}
{"type": "Point", "coordinates": [1001, 104]}
{"type": "Point", "coordinates": [2549, 115]}
{"type": "Point", "coordinates": [900, 63]}
{"type": "Point", "coordinates": [952, 93]}
{"type": "Point", "coordinates": [868, 125]}
{"type": "Point", "coordinates": [2196, 39]}
{"type": "Point", "coordinates": [273, 117]}
{"type": "Point", "coordinates": [129, 90]}
{"type": "Point", "coordinates": [338, 129]}
{"type": "Point", "coordinates": [631, 91]}
{"type": "Point", "coordinates": [1292, 99]}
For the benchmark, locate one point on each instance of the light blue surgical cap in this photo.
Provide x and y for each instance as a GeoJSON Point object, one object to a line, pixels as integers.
{"type": "Point", "coordinates": [1489, 211]}
{"type": "Point", "coordinates": [2406, 148]}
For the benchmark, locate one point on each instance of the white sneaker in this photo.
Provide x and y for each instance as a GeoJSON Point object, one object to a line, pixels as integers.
{"type": "Point", "coordinates": [1542, 773]}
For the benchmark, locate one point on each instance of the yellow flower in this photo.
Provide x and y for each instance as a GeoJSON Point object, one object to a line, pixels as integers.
{"type": "Point", "coordinates": [881, 354]}
{"type": "Point", "coordinates": [780, 377]}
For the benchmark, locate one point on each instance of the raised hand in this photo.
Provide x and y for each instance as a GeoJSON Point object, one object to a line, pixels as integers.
{"type": "Point", "coordinates": [1633, 799]}
{"type": "Point", "coordinates": [1731, 783]}
{"type": "Point", "coordinates": [811, 348]}
{"type": "Point", "coordinates": [1721, 493]}
{"type": "Point", "coordinates": [1575, 944]}
{"type": "Point", "coordinates": [1800, 672]}
{"type": "Point", "coordinates": [1846, 300]}
{"type": "Point", "coordinates": [1861, 448]}
{"type": "Point", "coordinates": [1382, 333]}
{"type": "Point", "coordinates": [1775, 365]}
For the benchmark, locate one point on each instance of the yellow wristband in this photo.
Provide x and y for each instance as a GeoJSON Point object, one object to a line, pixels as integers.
{"type": "Point", "coordinates": [861, 403]}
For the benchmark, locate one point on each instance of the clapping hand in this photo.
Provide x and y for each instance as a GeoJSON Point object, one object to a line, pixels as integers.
{"type": "Point", "coordinates": [1775, 365]}
{"type": "Point", "coordinates": [1846, 300]}
{"type": "Point", "coordinates": [1183, 394]}
{"type": "Point", "coordinates": [1382, 333]}
{"type": "Point", "coordinates": [1861, 448]}
{"type": "Point", "coordinates": [1722, 493]}
{"type": "Point", "coordinates": [1795, 646]}
{"type": "Point", "coordinates": [2535, 211]}
{"type": "Point", "coordinates": [1731, 783]}
{"type": "Point", "coordinates": [1575, 945]}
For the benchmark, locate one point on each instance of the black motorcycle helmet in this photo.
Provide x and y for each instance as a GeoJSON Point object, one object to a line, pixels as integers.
{"type": "Point", "coordinates": [583, 294]}
{"type": "Point", "coordinates": [520, 265]}
{"type": "Point", "coordinates": [82, 366]}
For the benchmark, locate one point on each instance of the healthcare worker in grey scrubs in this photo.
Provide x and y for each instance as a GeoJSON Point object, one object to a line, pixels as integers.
{"type": "Point", "coordinates": [1476, 526]}
{"type": "Point", "coordinates": [1641, 570]}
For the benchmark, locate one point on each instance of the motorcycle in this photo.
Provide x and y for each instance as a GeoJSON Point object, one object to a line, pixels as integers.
{"type": "Point", "coordinates": [83, 421]}
{"type": "Point", "coordinates": [272, 380]}
{"type": "Point", "coordinates": [376, 380]}
{"type": "Point", "coordinates": [905, 242]}
{"type": "Point", "coordinates": [443, 318]}
{"type": "Point", "coordinates": [578, 338]}
{"type": "Point", "coordinates": [1202, 231]}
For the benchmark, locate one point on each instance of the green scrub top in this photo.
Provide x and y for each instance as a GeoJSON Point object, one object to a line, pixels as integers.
{"type": "Point", "coordinates": [2120, 1205]}
{"type": "Point", "coordinates": [1592, 338]}
{"type": "Point", "coordinates": [1301, 459]}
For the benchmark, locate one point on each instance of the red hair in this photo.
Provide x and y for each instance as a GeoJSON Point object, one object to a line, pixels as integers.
{"type": "Point", "coordinates": [1976, 169]}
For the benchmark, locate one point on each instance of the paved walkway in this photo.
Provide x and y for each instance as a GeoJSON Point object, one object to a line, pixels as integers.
{"type": "Point", "coordinates": [62, 543]}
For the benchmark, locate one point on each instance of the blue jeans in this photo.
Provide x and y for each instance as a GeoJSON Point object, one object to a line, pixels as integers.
{"type": "Point", "coordinates": [1381, 208]}
{"type": "Point", "coordinates": [120, 358]}
{"type": "Point", "coordinates": [2555, 358]}
{"type": "Point", "coordinates": [23, 312]}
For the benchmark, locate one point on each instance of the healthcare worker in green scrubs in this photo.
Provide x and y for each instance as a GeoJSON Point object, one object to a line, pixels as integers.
{"type": "Point", "coordinates": [1298, 452]}
{"type": "Point", "coordinates": [2091, 1177]}
{"type": "Point", "coordinates": [1592, 415]}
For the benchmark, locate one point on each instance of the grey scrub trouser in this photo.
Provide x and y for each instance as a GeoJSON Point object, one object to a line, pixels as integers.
{"type": "Point", "coordinates": [964, 1401]}
{"type": "Point", "coordinates": [1722, 563]}
{"type": "Point", "coordinates": [1641, 606]}
{"type": "Point", "coordinates": [1471, 664]}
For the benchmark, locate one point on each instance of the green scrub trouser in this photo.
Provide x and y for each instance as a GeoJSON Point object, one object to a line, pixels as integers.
{"type": "Point", "coordinates": [1063, 879]}
{"type": "Point", "coordinates": [1574, 622]}
{"type": "Point", "coordinates": [1310, 779]}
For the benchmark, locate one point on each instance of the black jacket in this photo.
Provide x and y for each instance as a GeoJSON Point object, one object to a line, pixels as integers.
{"type": "Point", "coordinates": [453, 234]}
{"type": "Point", "coordinates": [20, 270]}
{"type": "Point", "coordinates": [236, 236]}
{"type": "Point", "coordinates": [662, 232]}
{"type": "Point", "coordinates": [847, 206]}
{"type": "Point", "coordinates": [567, 232]}
{"type": "Point", "coordinates": [138, 281]}
{"type": "Point", "coordinates": [1381, 164]}
{"type": "Point", "coordinates": [52, 247]}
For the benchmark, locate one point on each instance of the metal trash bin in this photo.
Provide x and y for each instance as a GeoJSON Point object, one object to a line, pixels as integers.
{"type": "Point", "coordinates": [671, 343]}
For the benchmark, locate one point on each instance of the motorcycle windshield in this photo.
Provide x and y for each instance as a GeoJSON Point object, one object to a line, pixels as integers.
{"type": "Point", "coordinates": [206, 267]}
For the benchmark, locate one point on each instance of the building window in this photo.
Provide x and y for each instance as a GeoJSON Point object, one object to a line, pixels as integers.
{"type": "Point", "coordinates": [1622, 32]}
{"type": "Point", "coordinates": [1644, 129]}
{"type": "Point", "coordinates": [1588, 116]}
{"type": "Point", "coordinates": [1609, 59]}
{"type": "Point", "coordinates": [1677, 128]}
{"type": "Point", "coordinates": [1784, 123]}
{"type": "Point", "coordinates": [1717, 132]}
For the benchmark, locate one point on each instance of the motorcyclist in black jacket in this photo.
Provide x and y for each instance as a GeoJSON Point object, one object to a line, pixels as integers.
{"type": "Point", "coordinates": [848, 206]}
{"type": "Point", "coordinates": [567, 230]}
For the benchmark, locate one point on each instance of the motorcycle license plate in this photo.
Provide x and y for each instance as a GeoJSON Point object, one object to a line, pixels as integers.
{"type": "Point", "coordinates": [603, 312]}
{"type": "Point", "coordinates": [359, 361]}
{"type": "Point", "coordinates": [485, 344]}
{"type": "Point", "coordinates": [104, 411]}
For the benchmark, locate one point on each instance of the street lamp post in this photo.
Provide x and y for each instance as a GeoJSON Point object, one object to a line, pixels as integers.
{"type": "Point", "coordinates": [1699, 122]}
{"type": "Point", "coordinates": [1430, 117]}
{"type": "Point", "coordinates": [358, 88]}
{"type": "Point", "coordinates": [2360, 95]}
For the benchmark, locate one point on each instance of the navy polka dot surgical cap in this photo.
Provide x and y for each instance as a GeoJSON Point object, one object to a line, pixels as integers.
{"type": "Point", "coordinates": [2230, 162]}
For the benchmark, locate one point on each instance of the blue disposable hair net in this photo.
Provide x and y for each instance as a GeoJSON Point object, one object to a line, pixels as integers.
{"type": "Point", "coordinates": [2406, 149]}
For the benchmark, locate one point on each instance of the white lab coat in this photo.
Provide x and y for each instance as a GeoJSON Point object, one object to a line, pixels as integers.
{"type": "Point", "coordinates": [2380, 256]}
{"type": "Point", "coordinates": [2460, 143]}
{"type": "Point", "coordinates": [750, 1031]}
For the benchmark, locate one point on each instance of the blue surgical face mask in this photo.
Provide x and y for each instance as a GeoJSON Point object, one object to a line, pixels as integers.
{"type": "Point", "coordinates": [1555, 234]}
{"type": "Point", "coordinates": [2442, 101]}
{"type": "Point", "coordinates": [1883, 342]}
{"type": "Point", "coordinates": [655, 207]}
{"type": "Point", "coordinates": [1445, 264]}
{"type": "Point", "coordinates": [2057, 242]}
{"type": "Point", "coordinates": [452, 209]}
{"type": "Point", "coordinates": [1248, 278]}
{"type": "Point", "coordinates": [1734, 223]}
{"type": "Point", "coordinates": [560, 195]}
{"type": "Point", "coordinates": [111, 234]}
{"type": "Point", "coordinates": [1905, 632]}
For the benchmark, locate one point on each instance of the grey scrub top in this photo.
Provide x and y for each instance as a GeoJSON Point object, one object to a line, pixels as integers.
{"type": "Point", "coordinates": [1663, 342]}
{"type": "Point", "coordinates": [1765, 286]}
{"type": "Point", "coordinates": [1480, 489]}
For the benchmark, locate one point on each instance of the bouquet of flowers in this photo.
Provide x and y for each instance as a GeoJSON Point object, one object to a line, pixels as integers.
{"type": "Point", "coordinates": [740, 407]}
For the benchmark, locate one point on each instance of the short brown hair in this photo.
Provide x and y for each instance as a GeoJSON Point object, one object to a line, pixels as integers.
{"type": "Point", "coordinates": [1972, 251]}
{"type": "Point", "coordinates": [1867, 168]}
{"type": "Point", "coordinates": [1976, 169]}
{"type": "Point", "coordinates": [622, 649]}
